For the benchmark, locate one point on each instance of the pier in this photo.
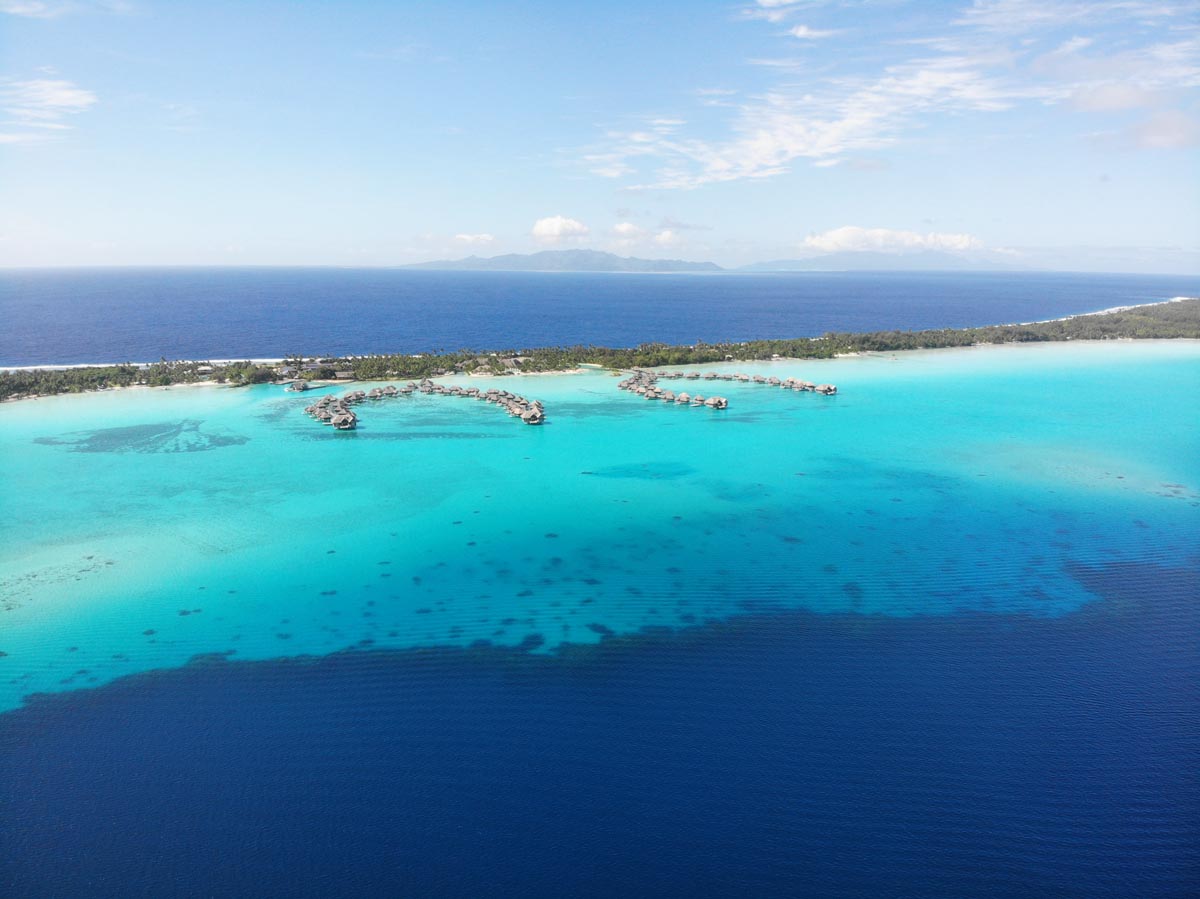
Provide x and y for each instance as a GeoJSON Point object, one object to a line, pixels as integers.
{"type": "Point", "coordinates": [337, 412]}
{"type": "Point", "coordinates": [644, 382]}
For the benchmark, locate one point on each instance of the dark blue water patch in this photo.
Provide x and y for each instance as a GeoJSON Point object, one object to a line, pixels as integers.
{"type": "Point", "coordinates": [645, 471]}
{"type": "Point", "coordinates": [364, 432]}
{"type": "Point", "coordinates": [777, 754]}
{"type": "Point", "coordinates": [108, 315]}
{"type": "Point", "coordinates": [183, 436]}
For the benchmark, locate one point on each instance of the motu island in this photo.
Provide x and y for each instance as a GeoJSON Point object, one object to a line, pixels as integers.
{"type": "Point", "coordinates": [1177, 319]}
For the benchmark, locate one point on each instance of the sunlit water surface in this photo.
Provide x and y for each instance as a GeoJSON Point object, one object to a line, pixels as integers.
{"type": "Point", "coordinates": [145, 527]}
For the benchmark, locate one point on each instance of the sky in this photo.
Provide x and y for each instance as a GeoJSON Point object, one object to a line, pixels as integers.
{"type": "Point", "coordinates": [1027, 133]}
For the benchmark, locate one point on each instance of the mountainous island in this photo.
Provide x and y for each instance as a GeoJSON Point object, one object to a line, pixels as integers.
{"type": "Point", "coordinates": [579, 260]}
{"type": "Point", "coordinates": [565, 261]}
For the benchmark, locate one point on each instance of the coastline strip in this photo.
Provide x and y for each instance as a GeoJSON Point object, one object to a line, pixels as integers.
{"type": "Point", "coordinates": [275, 360]}
{"type": "Point", "coordinates": [1176, 318]}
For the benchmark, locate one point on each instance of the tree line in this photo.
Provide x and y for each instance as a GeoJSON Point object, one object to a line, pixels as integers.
{"type": "Point", "coordinates": [1176, 320]}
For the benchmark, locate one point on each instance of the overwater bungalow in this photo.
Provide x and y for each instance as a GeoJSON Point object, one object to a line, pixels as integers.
{"type": "Point", "coordinates": [333, 410]}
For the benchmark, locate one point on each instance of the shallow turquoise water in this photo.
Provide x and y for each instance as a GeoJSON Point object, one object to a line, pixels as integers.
{"type": "Point", "coordinates": [145, 527]}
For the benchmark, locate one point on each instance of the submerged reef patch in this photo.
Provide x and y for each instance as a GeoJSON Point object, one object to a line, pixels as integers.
{"type": "Point", "coordinates": [183, 436]}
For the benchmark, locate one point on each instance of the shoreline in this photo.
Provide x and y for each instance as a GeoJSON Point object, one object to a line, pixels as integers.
{"type": "Point", "coordinates": [273, 360]}
{"type": "Point", "coordinates": [1111, 310]}
{"type": "Point", "coordinates": [587, 368]}
{"type": "Point", "coordinates": [1176, 318]}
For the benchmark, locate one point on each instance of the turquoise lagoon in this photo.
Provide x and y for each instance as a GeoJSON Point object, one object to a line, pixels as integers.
{"type": "Point", "coordinates": [145, 527]}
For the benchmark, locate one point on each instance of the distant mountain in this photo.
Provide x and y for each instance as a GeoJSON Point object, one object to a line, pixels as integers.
{"type": "Point", "coordinates": [565, 261]}
{"type": "Point", "coordinates": [868, 261]}
{"type": "Point", "coordinates": [598, 261]}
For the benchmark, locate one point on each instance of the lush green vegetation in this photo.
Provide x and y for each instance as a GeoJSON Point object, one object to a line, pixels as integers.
{"type": "Point", "coordinates": [1162, 320]}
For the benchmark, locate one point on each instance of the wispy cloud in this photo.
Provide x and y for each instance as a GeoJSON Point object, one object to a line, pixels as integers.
{"type": "Point", "coordinates": [804, 33]}
{"type": "Point", "coordinates": [1019, 16]}
{"type": "Point", "coordinates": [53, 9]}
{"type": "Point", "coordinates": [975, 64]}
{"type": "Point", "coordinates": [40, 106]}
{"type": "Point", "coordinates": [780, 127]}
{"type": "Point", "coordinates": [615, 162]}
{"type": "Point", "coordinates": [31, 9]}
{"type": "Point", "coordinates": [774, 10]}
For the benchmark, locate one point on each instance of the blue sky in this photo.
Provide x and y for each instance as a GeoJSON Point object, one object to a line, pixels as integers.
{"type": "Point", "coordinates": [1044, 134]}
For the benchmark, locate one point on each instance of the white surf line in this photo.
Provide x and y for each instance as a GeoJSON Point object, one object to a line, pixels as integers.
{"type": "Point", "coordinates": [67, 367]}
{"type": "Point", "coordinates": [73, 365]}
{"type": "Point", "coordinates": [1109, 311]}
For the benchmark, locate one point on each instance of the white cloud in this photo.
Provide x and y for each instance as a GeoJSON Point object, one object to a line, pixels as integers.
{"type": "Point", "coordinates": [783, 63]}
{"type": "Point", "coordinates": [804, 33]}
{"type": "Point", "coordinates": [31, 9]}
{"type": "Point", "coordinates": [626, 229]}
{"type": "Point", "coordinates": [642, 142]}
{"type": "Point", "coordinates": [43, 99]}
{"type": "Point", "coordinates": [667, 238]}
{"type": "Point", "coordinates": [1168, 65]}
{"type": "Point", "coordinates": [772, 10]}
{"type": "Point", "coordinates": [780, 127]}
{"type": "Point", "coordinates": [39, 107]}
{"type": "Point", "coordinates": [853, 238]}
{"type": "Point", "coordinates": [52, 9]}
{"type": "Point", "coordinates": [1073, 45]}
{"type": "Point", "coordinates": [557, 228]}
{"type": "Point", "coordinates": [1019, 16]}
{"type": "Point", "coordinates": [983, 65]}
{"type": "Point", "coordinates": [474, 239]}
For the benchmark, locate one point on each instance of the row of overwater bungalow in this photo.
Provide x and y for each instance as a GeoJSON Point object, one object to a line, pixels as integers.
{"type": "Point", "coordinates": [644, 382]}
{"type": "Point", "coordinates": [785, 383]}
{"type": "Point", "coordinates": [336, 411]}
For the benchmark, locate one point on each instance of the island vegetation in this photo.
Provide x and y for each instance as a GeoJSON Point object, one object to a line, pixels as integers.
{"type": "Point", "coordinates": [1178, 319]}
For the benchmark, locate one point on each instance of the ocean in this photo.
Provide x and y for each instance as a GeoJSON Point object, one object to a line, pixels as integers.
{"type": "Point", "coordinates": [74, 316]}
{"type": "Point", "coordinates": [932, 636]}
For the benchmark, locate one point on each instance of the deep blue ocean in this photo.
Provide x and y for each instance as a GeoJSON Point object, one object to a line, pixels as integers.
{"type": "Point", "coordinates": [66, 316]}
{"type": "Point", "coordinates": [785, 755]}
{"type": "Point", "coordinates": [937, 636]}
